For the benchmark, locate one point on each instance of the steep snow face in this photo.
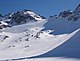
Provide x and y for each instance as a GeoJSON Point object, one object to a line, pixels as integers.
{"type": "Point", "coordinates": [22, 28]}
{"type": "Point", "coordinates": [29, 42]}
{"type": "Point", "coordinates": [62, 25]}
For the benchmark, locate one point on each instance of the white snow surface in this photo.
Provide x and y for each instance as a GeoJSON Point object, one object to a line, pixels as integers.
{"type": "Point", "coordinates": [34, 15]}
{"type": "Point", "coordinates": [50, 59]}
{"type": "Point", "coordinates": [29, 40]}
{"type": "Point", "coordinates": [47, 59]}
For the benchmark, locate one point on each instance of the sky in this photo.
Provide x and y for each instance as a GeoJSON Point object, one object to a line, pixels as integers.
{"type": "Point", "coordinates": [43, 7]}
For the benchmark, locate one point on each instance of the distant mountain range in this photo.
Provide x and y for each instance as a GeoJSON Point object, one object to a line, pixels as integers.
{"type": "Point", "coordinates": [25, 16]}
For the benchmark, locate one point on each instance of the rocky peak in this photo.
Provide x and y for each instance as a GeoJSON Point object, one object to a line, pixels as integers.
{"type": "Point", "coordinates": [65, 13]}
{"type": "Point", "coordinates": [24, 16]}
{"type": "Point", "coordinates": [20, 17]}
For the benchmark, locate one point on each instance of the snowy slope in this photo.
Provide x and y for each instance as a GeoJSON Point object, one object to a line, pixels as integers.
{"type": "Point", "coordinates": [25, 34]}
{"type": "Point", "coordinates": [62, 25]}
{"type": "Point", "coordinates": [25, 43]}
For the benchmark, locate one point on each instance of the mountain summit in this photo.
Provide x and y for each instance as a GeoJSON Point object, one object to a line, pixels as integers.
{"type": "Point", "coordinates": [20, 17]}
{"type": "Point", "coordinates": [70, 15]}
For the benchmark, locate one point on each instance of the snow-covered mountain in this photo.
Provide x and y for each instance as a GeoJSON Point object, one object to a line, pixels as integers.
{"type": "Point", "coordinates": [25, 34]}
{"type": "Point", "coordinates": [20, 17]}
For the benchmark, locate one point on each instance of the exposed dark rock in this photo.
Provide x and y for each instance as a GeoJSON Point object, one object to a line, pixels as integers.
{"type": "Point", "coordinates": [65, 14]}
{"type": "Point", "coordinates": [1, 15]}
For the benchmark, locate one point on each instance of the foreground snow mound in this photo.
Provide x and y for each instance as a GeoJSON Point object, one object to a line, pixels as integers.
{"type": "Point", "coordinates": [29, 42]}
